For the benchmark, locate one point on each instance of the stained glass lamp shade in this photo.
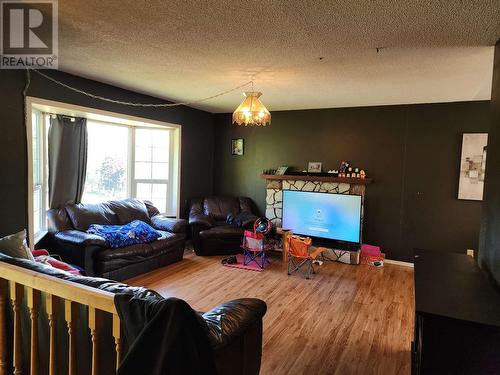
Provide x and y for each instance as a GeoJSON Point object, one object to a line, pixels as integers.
{"type": "Point", "coordinates": [251, 112]}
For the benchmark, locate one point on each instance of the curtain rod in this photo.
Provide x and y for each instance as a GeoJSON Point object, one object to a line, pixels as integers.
{"type": "Point", "coordinates": [73, 118]}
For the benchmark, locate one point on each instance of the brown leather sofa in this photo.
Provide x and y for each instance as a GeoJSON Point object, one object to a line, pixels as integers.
{"type": "Point", "coordinates": [217, 224]}
{"type": "Point", "coordinates": [234, 328]}
{"type": "Point", "coordinates": [68, 238]}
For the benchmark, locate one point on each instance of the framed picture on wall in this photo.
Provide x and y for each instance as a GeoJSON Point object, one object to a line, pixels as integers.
{"type": "Point", "coordinates": [314, 167]}
{"type": "Point", "coordinates": [237, 146]}
{"type": "Point", "coordinates": [472, 166]}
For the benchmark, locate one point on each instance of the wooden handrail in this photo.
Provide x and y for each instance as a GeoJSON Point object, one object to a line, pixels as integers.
{"type": "Point", "coordinates": [13, 280]}
{"type": "Point", "coordinates": [81, 294]}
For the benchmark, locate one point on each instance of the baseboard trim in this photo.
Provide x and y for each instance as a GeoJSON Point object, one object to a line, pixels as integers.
{"type": "Point", "coordinates": [398, 263]}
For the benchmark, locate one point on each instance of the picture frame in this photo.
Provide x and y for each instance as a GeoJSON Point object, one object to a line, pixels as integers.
{"type": "Point", "coordinates": [281, 170]}
{"type": "Point", "coordinates": [472, 166]}
{"type": "Point", "coordinates": [237, 146]}
{"type": "Point", "coordinates": [314, 167]}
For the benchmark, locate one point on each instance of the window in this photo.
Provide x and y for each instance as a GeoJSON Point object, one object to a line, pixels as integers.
{"type": "Point", "coordinates": [138, 162]}
{"type": "Point", "coordinates": [151, 167]}
{"type": "Point", "coordinates": [39, 124]}
{"type": "Point", "coordinates": [107, 163]}
{"type": "Point", "coordinates": [127, 157]}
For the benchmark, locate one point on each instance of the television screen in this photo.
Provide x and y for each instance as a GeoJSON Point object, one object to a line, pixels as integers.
{"type": "Point", "coordinates": [331, 216]}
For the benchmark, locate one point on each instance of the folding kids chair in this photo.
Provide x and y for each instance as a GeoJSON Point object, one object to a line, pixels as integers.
{"type": "Point", "coordinates": [301, 253]}
{"type": "Point", "coordinates": [254, 247]}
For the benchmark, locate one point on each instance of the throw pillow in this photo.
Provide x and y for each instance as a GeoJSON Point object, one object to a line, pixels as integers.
{"type": "Point", "coordinates": [15, 246]}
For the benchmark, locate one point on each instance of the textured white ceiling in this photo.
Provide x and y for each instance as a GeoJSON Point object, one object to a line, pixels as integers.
{"type": "Point", "coordinates": [433, 51]}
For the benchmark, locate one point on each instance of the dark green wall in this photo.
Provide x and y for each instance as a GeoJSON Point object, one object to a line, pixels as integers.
{"type": "Point", "coordinates": [197, 136]}
{"type": "Point", "coordinates": [412, 152]}
{"type": "Point", "coordinates": [489, 250]}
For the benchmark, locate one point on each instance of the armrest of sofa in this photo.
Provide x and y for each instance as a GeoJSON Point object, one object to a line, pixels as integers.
{"type": "Point", "coordinates": [201, 220]}
{"type": "Point", "coordinates": [231, 319]}
{"type": "Point", "coordinates": [169, 224]}
{"type": "Point", "coordinates": [77, 237]}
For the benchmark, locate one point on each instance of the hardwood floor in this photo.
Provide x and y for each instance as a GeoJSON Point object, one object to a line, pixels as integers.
{"type": "Point", "coordinates": [346, 320]}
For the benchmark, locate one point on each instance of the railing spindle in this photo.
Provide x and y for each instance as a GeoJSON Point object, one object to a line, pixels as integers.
{"type": "Point", "coordinates": [13, 281]}
{"type": "Point", "coordinates": [4, 291]}
{"type": "Point", "coordinates": [33, 304]}
{"type": "Point", "coordinates": [16, 296]}
{"type": "Point", "coordinates": [52, 303]}
{"type": "Point", "coordinates": [71, 314]}
{"type": "Point", "coordinates": [118, 339]}
{"type": "Point", "coordinates": [95, 325]}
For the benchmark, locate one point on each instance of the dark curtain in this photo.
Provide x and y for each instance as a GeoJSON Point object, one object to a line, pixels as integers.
{"type": "Point", "coordinates": [67, 149]}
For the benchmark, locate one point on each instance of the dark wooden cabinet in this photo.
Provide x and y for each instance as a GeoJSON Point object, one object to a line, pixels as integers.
{"type": "Point", "coordinates": [457, 317]}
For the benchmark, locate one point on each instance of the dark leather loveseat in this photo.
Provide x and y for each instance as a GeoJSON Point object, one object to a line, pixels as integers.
{"type": "Point", "coordinates": [234, 328]}
{"type": "Point", "coordinates": [217, 224]}
{"type": "Point", "coordinates": [69, 239]}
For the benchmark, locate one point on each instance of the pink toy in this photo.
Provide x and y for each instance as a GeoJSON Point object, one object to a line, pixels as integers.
{"type": "Point", "coordinates": [370, 250]}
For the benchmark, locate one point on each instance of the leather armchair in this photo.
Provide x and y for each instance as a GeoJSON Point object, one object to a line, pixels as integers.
{"type": "Point", "coordinates": [69, 239]}
{"type": "Point", "coordinates": [217, 224]}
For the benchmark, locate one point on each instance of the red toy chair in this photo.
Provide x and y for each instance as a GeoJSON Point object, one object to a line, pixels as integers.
{"type": "Point", "coordinates": [254, 247]}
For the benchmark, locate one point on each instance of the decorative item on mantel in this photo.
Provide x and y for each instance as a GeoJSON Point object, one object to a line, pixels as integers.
{"type": "Point", "coordinates": [281, 170]}
{"type": "Point", "coordinates": [346, 170]}
{"type": "Point", "coordinates": [269, 172]}
{"type": "Point", "coordinates": [338, 175]}
{"type": "Point", "coordinates": [314, 167]}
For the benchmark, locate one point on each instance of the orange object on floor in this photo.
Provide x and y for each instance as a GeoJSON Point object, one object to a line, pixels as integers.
{"type": "Point", "coordinates": [301, 253]}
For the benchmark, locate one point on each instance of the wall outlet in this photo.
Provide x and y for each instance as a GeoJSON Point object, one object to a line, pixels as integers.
{"type": "Point", "coordinates": [470, 252]}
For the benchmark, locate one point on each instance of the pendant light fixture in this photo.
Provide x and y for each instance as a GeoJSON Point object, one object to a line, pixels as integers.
{"type": "Point", "coordinates": [251, 111]}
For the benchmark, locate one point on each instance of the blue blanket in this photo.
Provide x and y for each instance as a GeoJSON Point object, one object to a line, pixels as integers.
{"type": "Point", "coordinates": [133, 233]}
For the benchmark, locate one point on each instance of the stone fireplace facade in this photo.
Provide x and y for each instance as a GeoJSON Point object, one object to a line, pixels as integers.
{"type": "Point", "coordinates": [275, 187]}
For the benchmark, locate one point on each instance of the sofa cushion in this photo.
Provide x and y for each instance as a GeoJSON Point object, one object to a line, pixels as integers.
{"type": "Point", "coordinates": [124, 252]}
{"type": "Point", "coordinates": [128, 210]}
{"type": "Point", "coordinates": [152, 210]}
{"type": "Point", "coordinates": [83, 215]}
{"type": "Point", "coordinates": [58, 220]}
{"type": "Point", "coordinates": [246, 204]}
{"type": "Point", "coordinates": [227, 231]}
{"type": "Point", "coordinates": [219, 207]}
{"type": "Point", "coordinates": [141, 250]}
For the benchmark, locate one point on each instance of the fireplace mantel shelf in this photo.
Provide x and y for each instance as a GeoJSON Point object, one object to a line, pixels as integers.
{"type": "Point", "coordinates": [345, 180]}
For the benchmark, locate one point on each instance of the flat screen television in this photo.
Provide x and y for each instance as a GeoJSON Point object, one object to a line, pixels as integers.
{"type": "Point", "coordinates": [322, 215]}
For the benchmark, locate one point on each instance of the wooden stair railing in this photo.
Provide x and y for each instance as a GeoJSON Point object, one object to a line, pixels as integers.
{"type": "Point", "coordinates": [14, 280]}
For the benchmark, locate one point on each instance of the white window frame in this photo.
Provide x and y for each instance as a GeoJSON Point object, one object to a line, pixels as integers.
{"type": "Point", "coordinates": [134, 181]}
{"type": "Point", "coordinates": [43, 174]}
{"type": "Point", "coordinates": [97, 115]}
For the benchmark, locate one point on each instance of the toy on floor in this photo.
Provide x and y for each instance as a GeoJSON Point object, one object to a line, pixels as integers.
{"type": "Point", "coordinates": [254, 246]}
{"type": "Point", "coordinates": [301, 253]}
